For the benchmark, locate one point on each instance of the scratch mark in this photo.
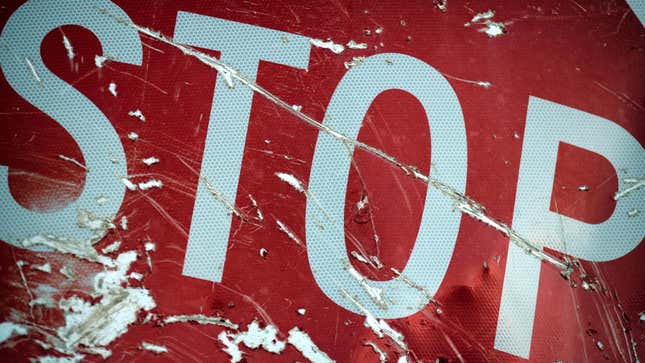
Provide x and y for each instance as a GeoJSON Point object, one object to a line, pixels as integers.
{"type": "Point", "coordinates": [73, 161]}
{"type": "Point", "coordinates": [620, 96]}
{"type": "Point", "coordinates": [462, 202]}
{"type": "Point", "coordinates": [635, 185]}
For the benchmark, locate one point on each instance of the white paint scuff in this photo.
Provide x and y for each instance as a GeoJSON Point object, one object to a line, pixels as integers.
{"type": "Point", "coordinates": [355, 45]}
{"type": "Point", "coordinates": [291, 180]}
{"type": "Point", "coordinates": [201, 320]}
{"type": "Point", "coordinates": [336, 48]}
{"type": "Point", "coordinates": [382, 357]}
{"type": "Point", "coordinates": [303, 343]}
{"type": "Point", "coordinates": [375, 293]}
{"type": "Point", "coordinates": [100, 60]}
{"type": "Point", "coordinates": [32, 69]}
{"type": "Point", "coordinates": [75, 358]}
{"type": "Point", "coordinates": [465, 204]}
{"type": "Point", "coordinates": [150, 161]}
{"type": "Point", "coordinates": [154, 348]}
{"type": "Point", "coordinates": [356, 61]}
{"type": "Point", "coordinates": [68, 47]}
{"type": "Point", "coordinates": [379, 326]}
{"type": "Point", "coordinates": [152, 183]}
{"type": "Point", "coordinates": [283, 228]}
{"type": "Point", "coordinates": [9, 330]}
{"type": "Point", "coordinates": [82, 249]}
{"type": "Point", "coordinates": [137, 114]}
{"type": "Point", "coordinates": [128, 184]}
{"type": "Point", "coordinates": [45, 267]}
{"type": "Point", "coordinates": [72, 160]}
{"type": "Point", "coordinates": [112, 88]}
{"type": "Point", "coordinates": [133, 136]}
{"type": "Point", "coordinates": [490, 27]}
{"type": "Point", "coordinates": [97, 325]}
{"type": "Point", "coordinates": [635, 184]}
{"type": "Point", "coordinates": [124, 223]}
{"type": "Point", "coordinates": [112, 247]}
{"type": "Point", "coordinates": [254, 337]}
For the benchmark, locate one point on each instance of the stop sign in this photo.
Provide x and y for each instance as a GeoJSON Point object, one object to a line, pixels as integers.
{"type": "Point", "coordinates": [324, 181]}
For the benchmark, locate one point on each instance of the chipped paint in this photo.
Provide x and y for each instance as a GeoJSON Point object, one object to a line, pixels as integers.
{"type": "Point", "coordinates": [355, 45]}
{"type": "Point", "coordinates": [112, 89]}
{"type": "Point", "coordinates": [155, 348]}
{"type": "Point", "coordinates": [149, 184]}
{"type": "Point", "coordinates": [201, 320]}
{"type": "Point", "coordinates": [336, 48]}
{"type": "Point", "coordinates": [150, 161]}
{"type": "Point", "coordinates": [488, 26]}
{"type": "Point", "coordinates": [382, 357]}
{"type": "Point", "coordinates": [303, 343]}
{"type": "Point", "coordinates": [137, 114]}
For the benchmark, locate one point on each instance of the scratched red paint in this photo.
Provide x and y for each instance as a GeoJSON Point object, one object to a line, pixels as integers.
{"type": "Point", "coordinates": [555, 50]}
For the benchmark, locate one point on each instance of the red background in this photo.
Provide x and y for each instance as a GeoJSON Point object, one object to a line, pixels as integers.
{"type": "Point", "coordinates": [589, 55]}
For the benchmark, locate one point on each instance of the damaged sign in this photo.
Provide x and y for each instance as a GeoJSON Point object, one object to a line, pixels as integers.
{"type": "Point", "coordinates": [435, 181]}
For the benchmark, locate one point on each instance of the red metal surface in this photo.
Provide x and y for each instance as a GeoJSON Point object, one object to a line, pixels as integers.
{"type": "Point", "coordinates": [556, 50]}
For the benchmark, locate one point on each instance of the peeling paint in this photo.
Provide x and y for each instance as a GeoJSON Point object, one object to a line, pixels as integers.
{"type": "Point", "coordinates": [355, 45]}
{"type": "Point", "coordinates": [155, 348]}
{"type": "Point", "coordinates": [152, 183]}
{"type": "Point", "coordinates": [382, 357]}
{"type": "Point", "coordinates": [137, 114]}
{"type": "Point", "coordinates": [150, 161]}
{"type": "Point", "coordinates": [112, 88]}
{"type": "Point", "coordinates": [303, 343]}
{"type": "Point", "coordinates": [201, 320]}
{"type": "Point", "coordinates": [336, 48]}
{"type": "Point", "coordinates": [491, 28]}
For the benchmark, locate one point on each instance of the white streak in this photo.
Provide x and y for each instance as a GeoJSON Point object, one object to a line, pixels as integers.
{"type": "Point", "coordinates": [283, 228]}
{"type": "Point", "coordinates": [124, 223]}
{"type": "Point", "coordinates": [151, 160]}
{"type": "Point", "coordinates": [128, 184]}
{"type": "Point", "coordinates": [100, 60]}
{"type": "Point", "coordinates": [379, 326]}
{"type": "Point", "coordinates": [68, 47]}
{"type": "Point", "coordinates": [133, 136]}
{"type": "Point", "coordinates": [291, 180]}
{"type": "Point", "coordinates": [152, 183]}
{"type": "Point", "coordinates": [636, 184]}
{"type": "Point", "coordinates": [156, 349]}
{"type": "Point", "coordinates": [46, 267]}
{"type": "Point", "coordinates": [356, 61]}
{"type": "Point", "coordinates": [382, 357]}
{"type": "Point", "coordinates": [375, 293]}
{"type": "Point", "coordinates": [354, 45]}
{"type": "Point", "coordinates": [72, 160]}
{"type": "Point", "coordinates": [32, 69]}
{"type": "Point", "coordinates": [254, 338]}
{"type": "Point", "coordinates": [303, 343]}
{"type": "Point", "coordinates": [336, 48]}
{"type": "Point", "coordinates": [491, 28]}
{"type": "Point", "coordinates": [112, 88]}
{"type": "Point", "coordinates": [112, 247]}
{"type": "Point", "coordinates": [76, 358]}
{"type": "Point", "coordinates": [138, 114]}
{"type": "Point", "coordinates": [9, 329]}
{"type": "Point", "coordinates": [201, 320]}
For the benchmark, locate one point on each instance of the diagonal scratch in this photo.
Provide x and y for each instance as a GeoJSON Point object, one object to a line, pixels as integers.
{"type": "Point", "coordinates": [462, 202]}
